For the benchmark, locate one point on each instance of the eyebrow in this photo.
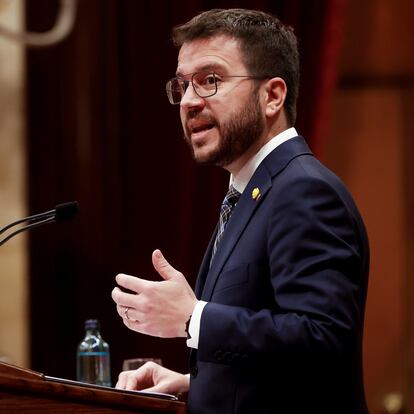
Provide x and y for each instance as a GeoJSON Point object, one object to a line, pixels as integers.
{"type": "Point", "coordinates": [209, 67]}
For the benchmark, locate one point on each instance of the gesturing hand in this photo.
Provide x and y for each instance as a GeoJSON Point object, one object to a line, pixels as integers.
{"type": "Point", "coordinates": [156, 308]}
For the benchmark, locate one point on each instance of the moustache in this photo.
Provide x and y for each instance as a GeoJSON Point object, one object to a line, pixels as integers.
{"type": "Point", "coordinates": [198, 116]}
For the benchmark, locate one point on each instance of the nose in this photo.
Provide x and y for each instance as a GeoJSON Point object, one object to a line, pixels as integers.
{"type": "Point", "coordinates": [190, 99]}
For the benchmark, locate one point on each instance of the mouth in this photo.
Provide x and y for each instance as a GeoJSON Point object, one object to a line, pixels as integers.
{"type": "Point", "coordinates": [199, 124]}
{"type": "Point", "coordinates": [201, 128]}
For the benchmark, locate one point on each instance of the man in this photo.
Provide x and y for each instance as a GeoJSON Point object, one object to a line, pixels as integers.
{"type": "Point", "coordinates": [275, 323]}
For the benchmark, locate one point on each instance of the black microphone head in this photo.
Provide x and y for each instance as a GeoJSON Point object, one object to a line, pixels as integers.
{"type": "Point", "coordinates": [66, 211]}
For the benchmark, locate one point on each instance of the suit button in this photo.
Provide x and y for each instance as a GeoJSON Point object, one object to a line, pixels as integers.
{"type": "Point", "coordinates": [194, 372]}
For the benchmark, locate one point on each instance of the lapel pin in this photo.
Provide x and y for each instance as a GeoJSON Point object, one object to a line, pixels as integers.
{"type": "Point", "coordinates": [256, 194]}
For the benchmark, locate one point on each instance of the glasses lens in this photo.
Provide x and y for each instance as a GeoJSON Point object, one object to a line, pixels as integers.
{"type": "Point", "coordinates": [205, 84]}
{"type": "Point", "coordinates": [175, 90]}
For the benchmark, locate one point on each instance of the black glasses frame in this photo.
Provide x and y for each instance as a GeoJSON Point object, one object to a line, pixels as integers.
{"type": "Point", "coordinates": [177, 86]}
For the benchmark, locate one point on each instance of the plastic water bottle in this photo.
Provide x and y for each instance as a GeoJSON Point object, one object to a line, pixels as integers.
{"type": "Point", "coordinates": [92, 359]}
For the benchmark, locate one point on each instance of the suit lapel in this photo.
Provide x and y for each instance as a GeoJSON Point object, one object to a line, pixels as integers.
{"type": "Point", "coordinates": [241, 215]}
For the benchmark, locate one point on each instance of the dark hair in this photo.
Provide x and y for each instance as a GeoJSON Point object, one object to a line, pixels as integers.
{"type": "Point", "coordinates": [268, 46]}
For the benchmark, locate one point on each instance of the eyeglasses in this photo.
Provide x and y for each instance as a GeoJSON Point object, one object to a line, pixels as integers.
{"type": "Point", "coordinates": [205, 84]}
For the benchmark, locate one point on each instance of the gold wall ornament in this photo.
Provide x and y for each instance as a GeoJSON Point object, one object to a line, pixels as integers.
{"type": "Point", "coordinates": [62, 28]}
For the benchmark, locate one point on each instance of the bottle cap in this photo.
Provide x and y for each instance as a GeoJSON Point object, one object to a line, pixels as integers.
{"type": "Point", "coordinates": [92, 324]}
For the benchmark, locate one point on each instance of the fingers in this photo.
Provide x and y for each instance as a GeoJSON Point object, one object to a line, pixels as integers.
{"type": "Point", "coordinates": [155, 388]}
{"type": "Point", "coordinates": [132, 283]}
{"type": "Point", "coordinates": [130, 314]}
{"type": "Point", "coordinates": [152, 377]}
{"type": "Point", "coordinates": [129, 380]}
{"type": "Point", "coordinates": [125, 312]}
{"type": "Point", "coordinates": [132, 382]}
{"type": "Point", "coordinates": [123, 380]}
{"type": "Point", "coordinates": [165, 270]}
{"type": "Point", "coordinates": [138, 379]}
{"type": "Point", "coordinates": [122, 299]}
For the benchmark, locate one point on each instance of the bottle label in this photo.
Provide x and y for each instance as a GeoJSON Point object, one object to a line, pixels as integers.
{"type": "Point", "coordinates": [93, 353]}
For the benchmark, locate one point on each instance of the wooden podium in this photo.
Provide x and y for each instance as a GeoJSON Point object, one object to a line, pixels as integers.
{"type": "Point", "coordinates": [25, 391]}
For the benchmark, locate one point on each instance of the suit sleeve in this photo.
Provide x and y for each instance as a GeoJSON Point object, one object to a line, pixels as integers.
{"type": "Point", "coordinates": [315, 264]}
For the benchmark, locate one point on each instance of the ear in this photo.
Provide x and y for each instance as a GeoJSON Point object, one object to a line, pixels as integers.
{"type": "Point", "coordinates": [276, 91]}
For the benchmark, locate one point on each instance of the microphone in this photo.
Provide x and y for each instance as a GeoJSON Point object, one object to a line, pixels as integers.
{"type": "Point", "coordinates": [64, 211]}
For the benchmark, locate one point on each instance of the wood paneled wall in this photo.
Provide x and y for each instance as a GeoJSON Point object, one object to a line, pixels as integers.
{"type": "Point", "coordinates": [14, 322]}
{"type": "Point", "coordinates": [370, 146]}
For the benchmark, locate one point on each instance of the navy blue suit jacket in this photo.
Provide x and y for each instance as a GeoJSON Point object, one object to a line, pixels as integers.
{"type": "Point", "coordinates": [282, 330]}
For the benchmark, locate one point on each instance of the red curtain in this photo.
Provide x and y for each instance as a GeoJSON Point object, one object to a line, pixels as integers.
{"type": "Point", "coordinates": [100, 131]}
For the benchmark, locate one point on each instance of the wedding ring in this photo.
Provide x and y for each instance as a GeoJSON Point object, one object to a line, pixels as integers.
{"type": "Point", "coordinates": [126, 312]}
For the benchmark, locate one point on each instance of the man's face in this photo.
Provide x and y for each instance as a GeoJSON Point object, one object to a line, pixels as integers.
{"type": "Point", "coordinates": [221, 128]}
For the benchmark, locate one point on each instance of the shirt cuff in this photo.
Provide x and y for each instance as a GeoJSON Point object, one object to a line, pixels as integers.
{"type": "Point", "coordinates": [194, 328]}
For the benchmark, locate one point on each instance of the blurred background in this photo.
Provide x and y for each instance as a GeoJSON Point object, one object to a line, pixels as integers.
{"type": "Point", "coordinates": [84, 116]}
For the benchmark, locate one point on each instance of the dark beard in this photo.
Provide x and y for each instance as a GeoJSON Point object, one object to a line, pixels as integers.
{"type": "Point", "coordinates": [237, 134]}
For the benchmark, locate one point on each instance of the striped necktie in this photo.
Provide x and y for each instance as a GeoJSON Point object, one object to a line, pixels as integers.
{"type": "Point", "coordinates": [227, 206]}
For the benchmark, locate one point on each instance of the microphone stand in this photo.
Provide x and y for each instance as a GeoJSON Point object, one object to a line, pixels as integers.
{"type": "Point", "coordinates": [28, 227]}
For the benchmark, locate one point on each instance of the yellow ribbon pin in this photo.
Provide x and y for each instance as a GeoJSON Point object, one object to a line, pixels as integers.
{"type": "Point", "coordinates": [256, 194]}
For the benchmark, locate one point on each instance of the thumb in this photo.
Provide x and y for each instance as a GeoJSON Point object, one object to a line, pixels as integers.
{"type": "Point", "coordinates": [165, 270]}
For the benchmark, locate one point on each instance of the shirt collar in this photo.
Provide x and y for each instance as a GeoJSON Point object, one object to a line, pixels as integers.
{"type": "Point", "coordinates": [240, 181]}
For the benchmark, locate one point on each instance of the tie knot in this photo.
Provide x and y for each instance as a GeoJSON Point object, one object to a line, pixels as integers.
{"type": "Point", "coordinates": [232, 197]}
{"type": "Point", "coordinates": [226, 208]}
